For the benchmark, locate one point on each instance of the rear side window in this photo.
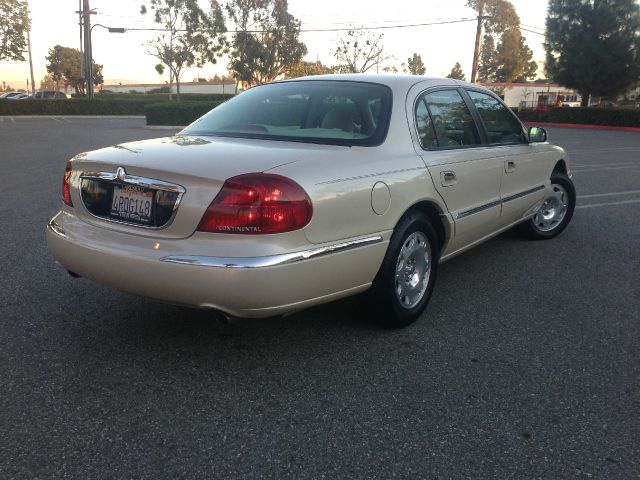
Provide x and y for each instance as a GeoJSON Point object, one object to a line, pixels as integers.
{"type": "Point", "coordinates": [426, 133]}
{"type": "Point", "coordinates": [452, 120]}
{"type": "Point", "coordinates": [501, 125]}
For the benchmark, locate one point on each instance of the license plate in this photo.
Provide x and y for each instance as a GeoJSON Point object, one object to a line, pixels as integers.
{"type": "Point", "coordinates": [132, 203]}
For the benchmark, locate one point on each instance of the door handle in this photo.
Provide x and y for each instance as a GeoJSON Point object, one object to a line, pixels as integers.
{"type": "Point", "coordinates": [448, 179]}
{"type": "Point", "coordinates": [509, 166]}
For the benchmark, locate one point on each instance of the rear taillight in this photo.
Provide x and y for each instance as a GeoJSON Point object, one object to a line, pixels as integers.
{"type": "Point", "coordinates": [66, 189]}
{"type": "Point", "coordinates": [257, 203]}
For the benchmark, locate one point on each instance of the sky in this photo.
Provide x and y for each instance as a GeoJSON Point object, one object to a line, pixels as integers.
{"type": "Point", "coordinates": [125, 59]}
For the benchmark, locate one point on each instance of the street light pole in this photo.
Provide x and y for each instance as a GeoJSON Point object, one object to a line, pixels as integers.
{"type": "Point", "coordinates": [90, 53]}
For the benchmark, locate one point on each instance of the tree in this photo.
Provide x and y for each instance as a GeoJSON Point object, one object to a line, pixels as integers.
{"type": "Point", "coordinates": [457, 73]}
{"type": "Point", "coordinates": [305, 69]}
{"type": "Point", "coordinates": [496, 16]}
{"type": "Point", "coordinates": [193, 36]}
{"type": "Point", "coordinates": [593, 46]}
{"type": "Point", "coordinates": [267, 42]}
{"type": "Point", "coordinates": [488, 61]}
{"type": "Point", "coordinates": [360, 51]}
{"type": "Point", "coordinates": [63, 64]}
{"type": "Point", "coordinates": [14, 23]}
{"type": "Point", "coordinates": [6, 88]}
{"type": "Point", "coordinates": [515, 59]}
{"type": "Point", "coordinates": [414, 65]}
{"type": "Point", "coordinates": [511, 60]}
{"type": "Point", "coordinates": [48, 83]}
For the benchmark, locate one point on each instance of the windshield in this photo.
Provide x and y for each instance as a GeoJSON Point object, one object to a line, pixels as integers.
{"type": "Point", "coordinates": [315, 111]}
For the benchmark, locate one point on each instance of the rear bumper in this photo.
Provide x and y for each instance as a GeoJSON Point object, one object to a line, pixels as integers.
{"type": "Point", "coordinates": [258, 286]}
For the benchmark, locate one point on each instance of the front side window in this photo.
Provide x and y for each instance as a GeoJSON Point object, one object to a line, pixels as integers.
{"type": "Point", "coordinates": [452, 120]}
{"type": "Point", "coordinates": [315, 111]}
{"type": "Point", "coordinates": [502, 127]}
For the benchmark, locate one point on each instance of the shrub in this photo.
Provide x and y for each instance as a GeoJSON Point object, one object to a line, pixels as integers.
{"type": "Point", "coordinates": [153, 97]}
{"type": "Point", "coordinates": [74, 106]}
{"type": "Point", "coordinates": [177, 113]}
{"type": "Point", "coordinates": [103, 104]}
{"type": "Point", "coordinates": [613, 117]}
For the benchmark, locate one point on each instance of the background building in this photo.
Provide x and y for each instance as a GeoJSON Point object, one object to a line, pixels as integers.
{"type": "Point", "coordinates": [219, 87]}
{"type": "Point", "coordinates": [533, 94]}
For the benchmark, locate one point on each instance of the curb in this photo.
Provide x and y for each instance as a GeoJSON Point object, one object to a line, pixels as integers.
{"type": "Point", "coordinates": [582, 126]}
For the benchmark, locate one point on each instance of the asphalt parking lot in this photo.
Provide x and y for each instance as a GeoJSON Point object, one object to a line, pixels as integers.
{"type": "Point", "coordinates": [526, 364]}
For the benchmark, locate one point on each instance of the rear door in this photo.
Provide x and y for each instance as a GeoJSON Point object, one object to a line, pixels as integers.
{"type": "Point", "coordinates": [523, 175]}
{"type": "Point", "coordinates": [465, 173]}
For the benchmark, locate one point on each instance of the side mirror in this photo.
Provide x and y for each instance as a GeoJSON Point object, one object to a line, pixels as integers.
{"type": "Point", "coordinates": [537, 135]}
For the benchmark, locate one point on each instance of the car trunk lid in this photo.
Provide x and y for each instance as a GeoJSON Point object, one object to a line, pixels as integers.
{"type": "Point", "coordinates": [166, 184]}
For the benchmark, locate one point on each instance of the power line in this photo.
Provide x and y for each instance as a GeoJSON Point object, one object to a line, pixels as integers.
{"type": "Point", "coordinates": [533, 26]}
{"type": "Point", "coordinates": [313, 30]}
{"type": "Point", "coordinates": [531, 31]}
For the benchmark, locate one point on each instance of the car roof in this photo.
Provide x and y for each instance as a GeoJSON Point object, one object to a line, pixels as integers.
{"type": "Point", "coordinates": [396, 82]}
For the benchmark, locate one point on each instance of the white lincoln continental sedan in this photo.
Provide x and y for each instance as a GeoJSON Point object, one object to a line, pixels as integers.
{"type": "Point", "coordinates": [304, 191]}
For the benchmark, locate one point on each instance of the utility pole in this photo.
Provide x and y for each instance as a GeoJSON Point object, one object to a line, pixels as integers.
{"type": "Point", "coordinates": [80, 15]}
{"type": "Point", "coordinates": [86, 15]}
{"type": "Point", "coordinates": [28, 21]}
{"type": "Point", "coordinates": [476, 50]}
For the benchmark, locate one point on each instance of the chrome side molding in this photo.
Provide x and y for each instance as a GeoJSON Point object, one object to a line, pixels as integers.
{"type": "Point", "coordinates": [272, 260]}
{"type": "Point", "coordinates": [495, 203]}
{"type": "Point", "coordinates": [523, 194]}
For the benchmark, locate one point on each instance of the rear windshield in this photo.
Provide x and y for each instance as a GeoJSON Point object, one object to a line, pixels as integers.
{"type": "Point", "coordinates": [315, 111]}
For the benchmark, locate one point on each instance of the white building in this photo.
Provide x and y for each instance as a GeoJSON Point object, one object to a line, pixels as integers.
{"type": "Point", "coordinates": [228, 87]}
{"type": "Point", "coordinates": [531, 95]}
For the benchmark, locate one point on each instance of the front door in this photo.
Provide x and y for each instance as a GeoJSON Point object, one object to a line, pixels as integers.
{"type": "Point", "coordinates": [465, 173]}
{"type": "Point", "coordinates": [523, 174]}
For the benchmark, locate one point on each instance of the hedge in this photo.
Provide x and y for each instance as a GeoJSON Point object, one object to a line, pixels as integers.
{"type": "Point", "coordinates": [149, 98]}
{"type": "Point", "coordinates": [612, 117]}
{"type": "Point", "coordinates": [104, 104]}
{"type": "Point", "coordinates": [177, 113]}
{"type": "Point", "coordinates": [74, 106]}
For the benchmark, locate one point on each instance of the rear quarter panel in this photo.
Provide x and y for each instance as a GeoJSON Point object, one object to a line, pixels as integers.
{"type": "Point", "coordinates": [341, 192]}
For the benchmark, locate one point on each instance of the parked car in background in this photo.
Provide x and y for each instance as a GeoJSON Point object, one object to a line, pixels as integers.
{"type": "Point", "coordinates": [49, 94]}
{"type": "Point", "coordinates": [304, 191]}
{"type": "Point", "coordinates": [19, 96]}
{"type": "Point", "coordinates": [604, 104]}
{"type": "Point", "coordinates": [570, 104]}
{"type": "Point", "coordinates": [9, 95]}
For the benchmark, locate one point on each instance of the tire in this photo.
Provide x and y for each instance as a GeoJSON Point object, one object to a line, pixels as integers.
{"type": "Point", "coordinates": [555, 213]}
{"type": "Point", "coordinates": [398, 300]}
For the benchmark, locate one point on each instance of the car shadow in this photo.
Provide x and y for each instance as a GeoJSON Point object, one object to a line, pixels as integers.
{"type": "Point", "coordinates": [140, 328]}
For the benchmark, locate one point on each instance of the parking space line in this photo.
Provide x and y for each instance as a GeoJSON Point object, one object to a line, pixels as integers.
{"type": "Point", "coordinates": [12, 120]}
{"type": "Point", "coordinates": [612, 194]}
{"type": "Point", "coordinates": [603, 150]}
{"type": "Point", "coordinates": [608, 204]}
{"type": "Point", "coordinates": [55, 119]}
{"type": "Point", "coordinates": [589, 170]}
{"type": "Point", "coordinates": [598, 165]}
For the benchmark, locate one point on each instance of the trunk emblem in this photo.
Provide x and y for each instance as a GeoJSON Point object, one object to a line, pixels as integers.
{"type": "Point", "coordinates": [120, 174]}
